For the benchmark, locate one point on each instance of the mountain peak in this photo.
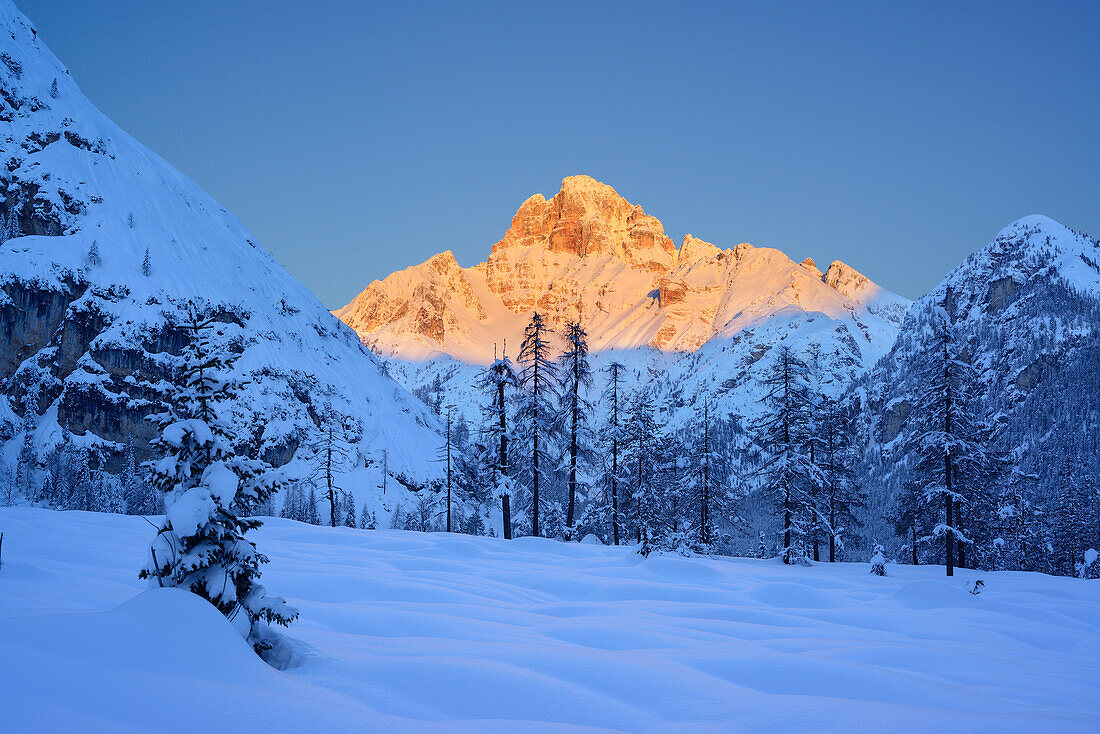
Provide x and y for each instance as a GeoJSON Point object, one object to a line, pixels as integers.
{"type": "Point", "coordinates": [1033, 221]}
{"type": "Point", "coordinates": [587, 253]}
{"type": "Point", "coordinates": [586, 218]}
{"type": "Point", "coordinates": [1033, 245]}
{"type": "Point", "coordinates": [588, 187]}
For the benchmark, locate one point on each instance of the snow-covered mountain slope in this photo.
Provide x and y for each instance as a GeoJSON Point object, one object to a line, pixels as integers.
{"type": "Point", "coordinates": [83, 204]}
{"type": "Point", "coordinates": [434, 632]}
{"type": "Point", "coordinates": [590, 255]}
{"type": "Point", "coordinates": [1027, 308]}
{"type": "Point", "coordinates": [693, 320]}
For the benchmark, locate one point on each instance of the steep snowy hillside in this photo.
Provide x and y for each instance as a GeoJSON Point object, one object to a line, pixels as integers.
{"type": "Point", "coordinates": [691, 320]}
{"type": "Point", "coordinates": [1026, 309]}
{"type": "Point", "coordinates": [104, 245]}
{"type": "Point", "coordinates": [440, 633]}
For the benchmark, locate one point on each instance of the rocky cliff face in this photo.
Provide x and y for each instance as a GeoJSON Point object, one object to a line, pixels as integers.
{"type": "Point", "coordinates": [689, 322]}
{"type": "Point", "coordinates": [90, 329]}
{"type": "Point", "coordinates": [589, 254]}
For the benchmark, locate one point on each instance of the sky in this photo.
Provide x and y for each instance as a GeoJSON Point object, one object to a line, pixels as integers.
{"type": "Point", "coordinates": [355, 139]}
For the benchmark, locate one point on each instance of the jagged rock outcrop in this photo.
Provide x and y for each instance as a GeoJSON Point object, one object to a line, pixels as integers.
{"type": "Point", "coordinates": [589, 254]}
{"type": "Point", "coordinates": [688, 322]}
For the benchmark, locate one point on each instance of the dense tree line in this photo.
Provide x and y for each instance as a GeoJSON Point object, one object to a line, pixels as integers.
{"type": "Point", "coordinates": [549, 457]}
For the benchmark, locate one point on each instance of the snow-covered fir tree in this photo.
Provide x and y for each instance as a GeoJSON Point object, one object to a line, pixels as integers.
{"type": "Point", "coordinates": [26, 463]}
{"type": "Point", "coordinates": [208, 487]}
{"type": "Point", "coordinates": [367, 519]}
{"type": "Point", "coordinates": [499, 383]}
{"type": "Point", "coordinates": [643, 459]}
{"type": "Point", "coordinates": [80, 482]}
{"type": "Point", "coordinates": [93, 258]}
{"type": "Point", "coordinates": [789, 476]}
{"type": "Point", "coordinates": [108, 494]}
{"type": "Point", "coordinates": [709, 496]}
{"type": "Point", "coordinates": [614, 438]}
{"type": "Point", "coordinates": [576, 412]}
{"type": "Point", "coordinates": [312, 513]}
{"type": "Point", "coordinates": [146, 264]}
{"type": "Point", "coordinates": [536, 421]}
{"type": "Point", "coordinates": [1073, 526]}
{"type": "Point", "coordinates": [349, 511]}
{"type": "Point", "coordinates": [878, 561]}
{"type": "Point", "coordinates": [1021, 524]}
{"type": "Point", "coordinates": [136, 495]}
{"type": "Point", "coordinates": [9, 225]}
{"type": "Point", "coordinates": [840, 497]}
{"type": "Point", "coordinates": [947, 493]}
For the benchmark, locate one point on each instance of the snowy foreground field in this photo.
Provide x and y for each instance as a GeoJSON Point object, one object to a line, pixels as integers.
{"type": "Point", "coordinates": [410, 632]}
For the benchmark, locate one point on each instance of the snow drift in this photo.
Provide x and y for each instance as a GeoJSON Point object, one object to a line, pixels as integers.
{"type": "Point", "coordinates": [435, 632]}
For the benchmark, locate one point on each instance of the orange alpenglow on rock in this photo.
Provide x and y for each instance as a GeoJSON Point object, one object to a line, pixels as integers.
{"type": "Point", "coordinates": [589, 254]}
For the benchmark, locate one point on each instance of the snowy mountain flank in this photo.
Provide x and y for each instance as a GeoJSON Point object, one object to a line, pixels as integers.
{"type": "Point", "coordinates": [105, 247]}
{"type": "Point", "coordinates": [693, 319]}
{"type": "Point", "coordinates": [1025, 312]}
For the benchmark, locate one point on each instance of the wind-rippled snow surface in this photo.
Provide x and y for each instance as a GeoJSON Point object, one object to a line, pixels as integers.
{"type": "Point", "coordinates": [403, 631]}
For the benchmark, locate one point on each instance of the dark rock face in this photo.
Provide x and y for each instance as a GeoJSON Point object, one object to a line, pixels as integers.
{"type": "Point", "coordinates": [29, 320]}
{"type": "Point", "coordinates": [48, 343]}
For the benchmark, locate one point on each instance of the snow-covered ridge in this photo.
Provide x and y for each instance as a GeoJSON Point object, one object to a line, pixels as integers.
{"type": "Point", "coordinates": [589, 254]}
{"type": "Point", "coordinates": [104, 244]}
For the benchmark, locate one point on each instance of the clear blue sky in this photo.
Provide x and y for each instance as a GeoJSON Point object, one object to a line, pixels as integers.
{"type": "Point", "coordinates": [358, 138]}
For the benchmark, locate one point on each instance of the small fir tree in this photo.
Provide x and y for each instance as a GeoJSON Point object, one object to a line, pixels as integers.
{"type": "Point", "coordinates": [206, 484]}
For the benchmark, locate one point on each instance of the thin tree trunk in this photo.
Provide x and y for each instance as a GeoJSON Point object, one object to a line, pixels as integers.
{"type": "Point", "coordinates": [535, 452]}
{"type": "Point", "coordinates": [787, 526]}
{"type": "Point", "coordinates": [950, 548]}
{"type": "Point", "coordinates": [505, 502]}
{"type": "Point", "coordinates": [615, 452]}
{"type": "Point", "coordinates": [704, 509]}
{"type": "Point", "coordinates": [328, 479]}
{"type": "Point", "coordinates": [535, 492]}
{"type": "Point", "coordinates": [949, 501]}
{"type": "Point", "coordinates": [572, 476]}
{"type": "Point", "coordinates": [962, 545]}
{"type": "Point", "coordinates": [832, 525]}
{"type": "Point", "coordinates": [448, 472]}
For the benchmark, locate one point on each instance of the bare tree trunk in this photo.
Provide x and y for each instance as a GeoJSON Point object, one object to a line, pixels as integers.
{"type": "Point", "coordinates": [962, 544]}
{"type": "Point", "coordinates": [950, 547]}
{"type": "Point", "coordinates": [448, 472]}
{"type": "Point", "coordinates": [505, 501]}
{"type": "Point", "coordinates": [328, 479]}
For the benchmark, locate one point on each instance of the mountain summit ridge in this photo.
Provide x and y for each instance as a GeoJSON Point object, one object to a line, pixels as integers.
{"type": "Point", "coordinates": [588, 254]}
